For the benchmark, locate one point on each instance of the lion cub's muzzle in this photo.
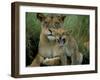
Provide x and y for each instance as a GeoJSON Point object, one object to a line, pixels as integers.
{"type": "Point", "coordinates": [61, 41]}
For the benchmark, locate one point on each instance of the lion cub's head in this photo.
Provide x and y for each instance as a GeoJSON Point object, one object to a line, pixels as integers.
{"type": "Point", "coordinates": [61, 36]}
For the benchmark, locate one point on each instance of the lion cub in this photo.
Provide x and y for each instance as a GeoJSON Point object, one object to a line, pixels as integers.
{"type": "Point", "coordinates": [65, 46]}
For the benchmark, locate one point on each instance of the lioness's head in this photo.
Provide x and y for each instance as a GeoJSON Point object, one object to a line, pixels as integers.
{"type": "Point", "coordinates": [50, 21]}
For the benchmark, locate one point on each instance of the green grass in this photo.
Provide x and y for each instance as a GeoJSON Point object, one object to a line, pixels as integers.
{"type": "Point", "coordinates": [79, 24]}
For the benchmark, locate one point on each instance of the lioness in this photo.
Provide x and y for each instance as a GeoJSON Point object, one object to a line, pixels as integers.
{"type": "Point", "coordinates": [65, 46]}
{"type": "Point", "coordinates": [47, 41]}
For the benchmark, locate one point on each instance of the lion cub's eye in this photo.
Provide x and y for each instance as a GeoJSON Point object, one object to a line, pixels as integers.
{"type": "Point", "coordinates": [63, 40]}
{"type": "Point", "coordinates": [58, 40]}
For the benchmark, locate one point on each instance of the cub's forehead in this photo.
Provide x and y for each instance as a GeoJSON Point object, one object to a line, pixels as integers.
{"type": "Point", "coordinates": [60, 31]}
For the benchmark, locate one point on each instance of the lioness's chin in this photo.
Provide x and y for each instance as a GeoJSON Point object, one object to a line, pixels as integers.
{"type": "Point", "coordinates": [51, 38]}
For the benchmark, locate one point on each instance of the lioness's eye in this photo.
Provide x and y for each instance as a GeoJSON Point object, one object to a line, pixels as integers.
{"type": "Point", "coordinates": [45, 22]}
{"type": "Point", "coordinates": [57, 23]}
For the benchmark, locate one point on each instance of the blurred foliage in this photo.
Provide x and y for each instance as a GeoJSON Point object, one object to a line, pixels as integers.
{"type": "Point", "coordinates": [32, 36]}
{"type": "Point", "coordinates": [79, 24]}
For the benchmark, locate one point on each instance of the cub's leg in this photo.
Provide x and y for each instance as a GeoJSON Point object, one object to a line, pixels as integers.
{"type": "Point", "coordinates": [77, 58]}
{"type": "Point", "coordinates": [80, 58]}
{"type": "Point", "coordinates": [74, 57]}
{"type": "Point", "coordinates": [37, 61]}
{"type": "Point", "coordinates": [63, 59]}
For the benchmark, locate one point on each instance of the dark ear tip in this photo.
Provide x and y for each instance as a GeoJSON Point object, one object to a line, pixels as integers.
{"type": "Point", "coordinates": [63, 17]}
{"type": "Point", "coordinates": [40, 16]}
{"type": "Point", "coordinates": [39, 13]}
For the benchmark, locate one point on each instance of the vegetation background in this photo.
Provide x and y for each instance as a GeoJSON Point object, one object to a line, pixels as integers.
{"type": "Point", "coordinates": [79, 24]}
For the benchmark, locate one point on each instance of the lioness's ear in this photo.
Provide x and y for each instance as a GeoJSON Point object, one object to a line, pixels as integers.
{"type": "Point", "coordinates": [62, 17]}
{"type": "Point", "coordinates": [40, 16]}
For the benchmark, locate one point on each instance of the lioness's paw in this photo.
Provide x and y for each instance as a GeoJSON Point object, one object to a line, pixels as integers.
{"type": "Point", "coordinates": [48, 61]}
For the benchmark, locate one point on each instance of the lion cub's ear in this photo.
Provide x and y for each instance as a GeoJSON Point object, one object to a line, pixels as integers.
{"type": "Point", "coordinates": [40, 16]}
{"type": "Point", "coordinates": [68, 32]}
